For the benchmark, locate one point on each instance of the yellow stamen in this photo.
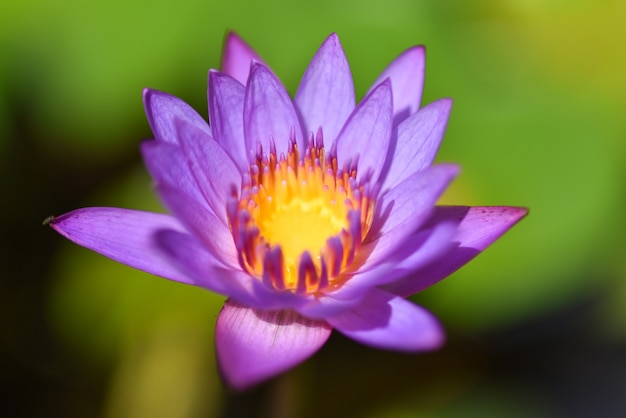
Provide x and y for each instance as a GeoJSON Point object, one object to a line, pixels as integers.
{"type": "Point", "coordinates": [289, 210]}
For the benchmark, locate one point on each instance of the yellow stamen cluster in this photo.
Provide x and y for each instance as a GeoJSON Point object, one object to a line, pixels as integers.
{"type": "Point", "coordinates": [299, 221]}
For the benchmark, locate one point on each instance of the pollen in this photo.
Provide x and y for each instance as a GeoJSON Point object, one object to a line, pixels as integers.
{"type": "Point", "coordinates": [300, 218]}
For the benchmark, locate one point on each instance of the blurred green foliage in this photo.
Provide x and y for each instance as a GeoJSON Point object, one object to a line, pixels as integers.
{"type": "Point", "coordinates": [540, 93]}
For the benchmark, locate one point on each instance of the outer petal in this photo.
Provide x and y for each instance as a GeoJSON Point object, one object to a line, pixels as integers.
{"type": "Point", "coordinates": [403, 209]}
{"type": "Point", "coordinates": [268, 112]}
{"type": "Point", "coordinates": [188, 254]}
{"type": "Point", "coordinates": [254, 345]}
{"type": "Point", "coordinates": [203, 223]}
{"type": "Point", "coordinates": [216, 174]}
{"type": "Point", "coordinates": [204, 269]}
{"type": "Point", "coordinates": [237, 57]}
{"type": "Point", "coordinates": [163, 109]}
{"type": "Point", "coordinates": [479, 227]}
{"type": "Point", "coordinates": [325, 96]}
{"type": "Point", "coordinates": [383, 320]}
{"type": "Point", "coordinates": [226, 97]}
{"type": "Point", "coordinates": [171, 169]}
{"type": "Point", "coordinates": [407, 79]}
{"type": "Point", "coordinates": [418, 139]}
{"type": "Point", "coordinates": [367, 132]}
{"type": "Point", "coordinates": [167, 164]}
{"type": "Point", "coordinates": [125, 235]}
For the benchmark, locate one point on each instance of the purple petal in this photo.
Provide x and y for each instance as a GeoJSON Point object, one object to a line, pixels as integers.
{"type": "Point", "coordinates": [387, 248]}
{"type": "Point", "coordinates": [396, 261]}
{"type": "Point", "coordinates": [367, 132]}
{"type": "Point", "coordinates": [226, 97]}
{"type": "Point", "coordinates": [403, 209]}
{"type": "Point", "coordinates": [204, 269]}
{"type": "Point", "coordinates": [479, 227]}
{"type": "Point", "coordinates": [268, 112]}
{"type": "Point", "coordinates": [202, 222]}
{"type": "Point", "coordinates": [383, 320]}
{"type": "Point", "coordinates": [125, 235]}
{"type": "Point", "coordinates": [416, 251]}
{"type": "Point", "coordinates": [407, 80]}
{"type": "Point", "coordinates": [254, 345]}
{"type": "Point", "coordinates": [167, 165]}
{"type": "Point", "coordinates": [325, 96]}
{"type": "Point", "coordinates": [163, 109]}
{"type": "Point", "coordinates": [215, 173]}
{"type": "Point", "coordinates": [418, 139]}
{"type": "Point", "coordinates": [237, 57]}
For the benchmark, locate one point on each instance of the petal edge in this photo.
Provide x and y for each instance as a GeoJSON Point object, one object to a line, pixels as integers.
{"type": "Point", "coordinates": [124, 235]}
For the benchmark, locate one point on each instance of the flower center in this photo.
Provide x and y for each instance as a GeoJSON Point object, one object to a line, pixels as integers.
{"type": "Point", "coordinates": [299, 225]}
{"type": "Point", "coordinates": [300, 219]}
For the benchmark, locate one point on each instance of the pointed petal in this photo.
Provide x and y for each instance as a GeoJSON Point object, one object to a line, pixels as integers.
{"type": "Point", "coordinates": [202, 222]}
{"type": "Point", "coordinates": [217, 176]}
{"type": "Point", "coordinates": [325, 96]}
{"type": "Point", "coordinates": [254, 345]}
{"type": "Point", "coordinates": [163, 109]}
{"type": "Point", "coordinates": [124, 235]}
{"type": "Point", "coordinates": [226, 97]}
{"type": "Point", "coordinates": [403, 209]}
{"type": "Point", "coordinates": [268, 112]}
{"type": "Point", "coordinates": [418, 139]}
{"type": "Point", "coordinates": [367, 132]}
{"type": "Point", "coordinates": [407, 80]}
{"type": "Point", "coordinates": [479, 227]}
{"type": "Point", "coordinates": [167, 165]}
{"type": "Point", "coordinates": [383, 320]}
{"type": "Point", "coordinates": [238, 56]}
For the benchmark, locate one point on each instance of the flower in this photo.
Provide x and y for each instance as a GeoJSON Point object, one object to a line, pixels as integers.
{"type": "Point", "coordinates": [308, 214]}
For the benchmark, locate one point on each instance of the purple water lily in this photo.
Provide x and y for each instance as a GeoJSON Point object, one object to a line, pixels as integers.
{"type": "Point", "coordinates": [308, 214]}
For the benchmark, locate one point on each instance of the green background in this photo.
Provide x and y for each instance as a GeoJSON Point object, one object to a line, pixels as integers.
{"type": "Point", "coordinates": [536, 325]}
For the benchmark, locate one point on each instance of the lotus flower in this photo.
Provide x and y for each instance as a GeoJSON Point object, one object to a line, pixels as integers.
{"type": "Point", "coordinates": [309, 214]}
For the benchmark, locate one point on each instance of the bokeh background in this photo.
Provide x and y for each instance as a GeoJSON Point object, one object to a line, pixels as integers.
{"type": "Point", "coordinates": [536, 325]}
